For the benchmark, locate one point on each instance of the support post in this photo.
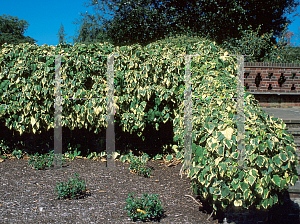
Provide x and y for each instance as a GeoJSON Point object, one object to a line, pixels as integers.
{"type": "Point", "coordinates": [57, 115]}
{"type": "Point", "coordinates": [110, 131]}
{"type": "Point", "coordinates": [240, 111]}
{"type": "Point", "coordinates": [240, 115]}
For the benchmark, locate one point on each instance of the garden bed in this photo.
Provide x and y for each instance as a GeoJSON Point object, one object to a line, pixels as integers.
{"type": "Point", "coordinates": [27, 195]}
{"type": "Point", "coordinates": [25, 190]}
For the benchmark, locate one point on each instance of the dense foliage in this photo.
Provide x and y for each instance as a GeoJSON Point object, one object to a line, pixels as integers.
{"type": "Point", "coordinates": [271, 158]}
{"type": "Point", "coordinates": [143, 22]}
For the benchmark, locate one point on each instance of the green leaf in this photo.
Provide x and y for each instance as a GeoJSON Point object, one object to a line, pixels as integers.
{"type": "Point", "coordinates": [277, 160]}
{"type": "Point", "coordinates": [265, 203]}
{"type": "Point", "coordinates": [227, 143]}
{"type": "Point", "coordinates": [157, 126]}
{"type": "Point", "coordinates": [218, 160]}
{"type": "Point", "coordinates": [271, 202]}
{"type": "Point", "coordinates": [169, 158]}
{"type": "Point", "coordinates": [274, 198]}
{"type": "Point", "coordinates": [276, 180]}
{"type": "Point", "coordinates": [260, 161]}
{"type": "Point", "coordinates": [270, 144]}
{"type": "Point", "coordinates": [221, 150]}
{"type": "Point", "coordinates": [251, 180]}
{"type": "Point", "coordinates": [265, 194]}
{"type": "Point", "coordinates": [259, 189]}
{"type": "Point", "coordinates": [143, 104]}
{"type": "Point", "coordinates": [90, 119]}
{"type": "Point", "coordinates": [194, 148]}
{"type": "Point", "coordinates": [244, 186]}
{"type": "Point", "coordinates": [283, 157]}
{"type": "Point", "coordinates": [225, 191]}
{"type": "Point", "coordinates": [223, 166]}
{"type": "Point", "coordinates": [77, 108]}
{"type": "Point", "coordinates": [157, 101]}
{"type": "Point", "coordinates": [283, 183]}
{"type": "Point", "coordinates": [293, 180]}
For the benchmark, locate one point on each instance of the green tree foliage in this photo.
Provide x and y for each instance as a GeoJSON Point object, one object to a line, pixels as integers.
{"type": "Point", "coordinates": [261, 48]}
{"type": "Point", "coordinates": [61, 34]}
{"type": "Point", "coordinates": [293, 54]}
{"type": "Point", "coordinates": [12, 31]}
{"type": "Point", "coordinates": [90, 31]}
{"type": "Point", "coordinates": [292, 51]}
{"type": "Point", "coordinates": [140, 21]}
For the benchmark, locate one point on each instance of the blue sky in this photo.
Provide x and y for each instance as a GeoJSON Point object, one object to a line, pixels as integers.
{"type": "Point", "coordinates": [46, 17]}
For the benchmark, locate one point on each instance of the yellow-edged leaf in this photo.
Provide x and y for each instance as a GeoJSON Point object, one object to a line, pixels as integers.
{"type": "Point", "coordinates": [237, 203]}
{"type": "Point", "coordinates": [227, 133]}
{"type": "Point", "coordinates": [32, 121]}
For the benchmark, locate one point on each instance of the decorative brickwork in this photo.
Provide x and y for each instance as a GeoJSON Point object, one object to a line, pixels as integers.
{"type": "Point", "coordinates": [273, 84]}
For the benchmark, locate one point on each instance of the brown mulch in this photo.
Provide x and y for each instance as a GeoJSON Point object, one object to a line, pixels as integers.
{"type": "Point", "coordinates": [27, 195]}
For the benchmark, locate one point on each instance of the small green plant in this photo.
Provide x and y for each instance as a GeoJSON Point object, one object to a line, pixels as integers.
{"type": "Point", "coordinates": [4, 157]}
{"type": "Point", "coordinates": [40, 162]}
{"type": "Point", "coordinates": [72, 189]}
{"type": "Point", "coordinates": [146, 207]}
{"type": "Point", "coordinates": [73, 156]}
{"type": "Point", "coordinates": [17, 153]}
{"type": "Point", "coordinates": [94, 155]}
{"type": "Point", "coordinates": [3, 148]}
{"type": "Point", "coordinates": [137, 166]}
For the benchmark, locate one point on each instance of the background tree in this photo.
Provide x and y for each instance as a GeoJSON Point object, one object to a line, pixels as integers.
{"type": "Point", "coordinates": [291, 51]}
{"type": "Point", "coordinates": [61, 34]}
{"type": "Point", "coordinates": [12, 31]}
{"type": "Point", "coordinates": [90, 31]}
{"type": "Point", "coordinates": [131, 33]}
{"type": "Point", "coordinates": [289, 36]}
{"type": "Point", "coordinates": [259, 47]}
{"type": "Point", "coordinates": [140, 21]}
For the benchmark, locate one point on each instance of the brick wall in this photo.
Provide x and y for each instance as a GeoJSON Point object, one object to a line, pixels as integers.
{"type": "Point", "coordinates": [273, 84]}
